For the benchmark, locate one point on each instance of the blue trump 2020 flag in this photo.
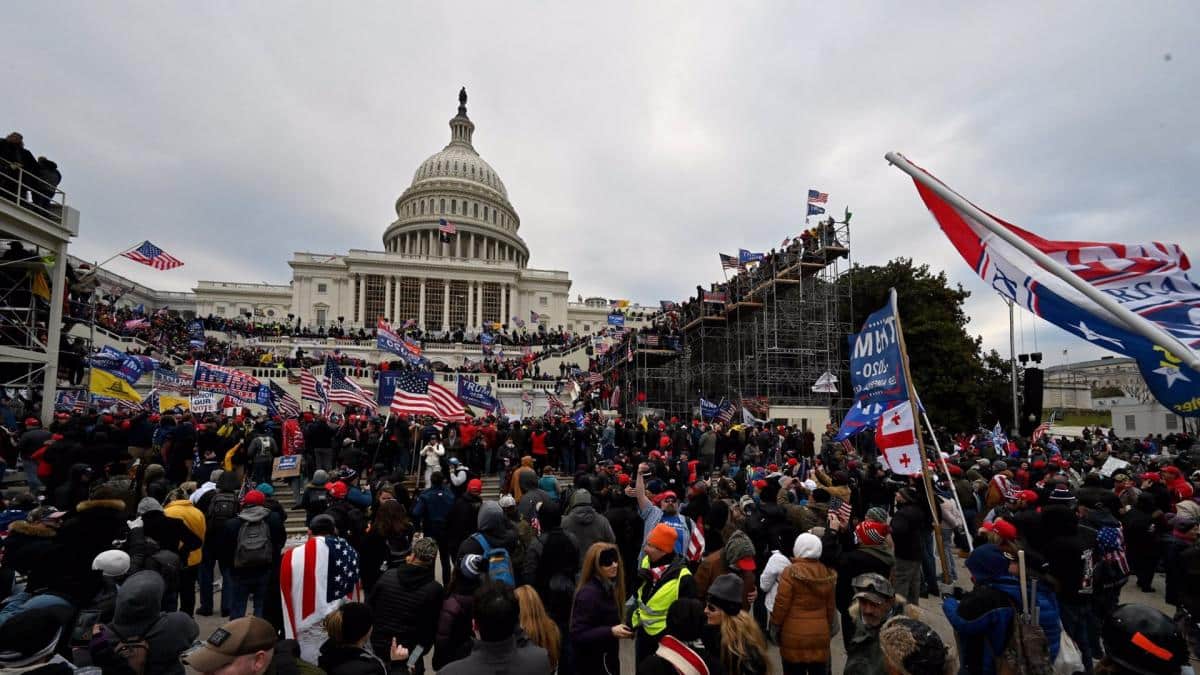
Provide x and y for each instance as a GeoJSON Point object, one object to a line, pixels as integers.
{"type": "Point", "coordinates": [876, 370]}
{"type": "Point", "coordinates": [473, 393]}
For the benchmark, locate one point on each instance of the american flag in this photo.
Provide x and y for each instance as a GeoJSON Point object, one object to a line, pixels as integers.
{"type": "Point", "coordinates": [446, 227]}
{"type": "Point", "coordinates": [311, 388]}
{"type": "Point", "coordinates": [555, 403]}
{"type": "Point", "coordinates": [651, 340]}
{"type": "Point", "coordinates": [134, 324]}
{"type": "Point", "coordinates": [316, 578]}
{"type": "Point", "coordinates": [344, 390]}
{"type": "Point", "coordinates": [815, 197]}
{"type": "Point", "coordinates": [729, 262]}
{"type": "Point", "coordinates": [695, 548]}
{"type": "Point", "coordinates": [284, 402]}
{"type": "Point", "coordinates": [417, 396]}
{"type": "Point", "coordinates": [715, 297]}
{"type": "Point", "coordinates": [149, 254]}
{"type": "Point", "coordinates": [725, 412]}
{"type": "Point", "coordinates": [840, 508]}
{"type": "Point", "coordinates": [595, 378]}
{"type": "Point", "coordinates": [614, 401]}
{"type": "Point", "coordinates": [1040, 431]}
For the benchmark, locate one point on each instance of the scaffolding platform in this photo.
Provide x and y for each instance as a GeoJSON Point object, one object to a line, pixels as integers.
{"type": "Point", "coordinates": [783, 326]}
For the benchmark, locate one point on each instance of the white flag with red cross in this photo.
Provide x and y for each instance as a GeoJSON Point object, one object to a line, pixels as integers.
{"type": "Point", "coordinates": [896, 438]}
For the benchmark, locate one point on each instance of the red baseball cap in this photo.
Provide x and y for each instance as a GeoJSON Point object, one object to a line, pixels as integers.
{"type": "Point", "coordinates": [1027, 496]}
{"type": "Point", "coordinates": [338, 490]}
{"type": "Point", "coordinates": [475, 486]}
{"type": "Point", "coordinates": [663, 495]}
{"type": "Point", "coordinates": [254, 498]}
{"type": "Point", "coordinates": [745, 564]}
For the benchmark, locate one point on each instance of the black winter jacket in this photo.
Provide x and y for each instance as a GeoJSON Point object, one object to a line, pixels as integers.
{"type": "Point", "coordinates": [405, 601]}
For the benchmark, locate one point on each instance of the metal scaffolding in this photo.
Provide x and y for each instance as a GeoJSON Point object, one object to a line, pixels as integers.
{"type": "Point", "coordinates": [775, 333]}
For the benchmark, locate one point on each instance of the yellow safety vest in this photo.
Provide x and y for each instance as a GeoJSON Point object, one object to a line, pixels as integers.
{"type": "Point", "coordinates": [651, 616]}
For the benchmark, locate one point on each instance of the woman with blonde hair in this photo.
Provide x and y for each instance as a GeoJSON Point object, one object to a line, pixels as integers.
{"type": "Point", "coordinates": [596, 627]}
{"type": "Point", "coordinates": [732, 632]}
{"type": "Point", "coordinates": [537, 625]}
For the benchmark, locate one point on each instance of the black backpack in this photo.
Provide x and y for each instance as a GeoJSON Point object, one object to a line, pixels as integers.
{"type": "Point", "coordinates": [224, 505]}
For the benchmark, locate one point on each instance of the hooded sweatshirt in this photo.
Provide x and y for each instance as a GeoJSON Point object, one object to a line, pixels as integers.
{"type": "Point", "coordinates": [138, 614]}
{"type": "Point", "coordinates": [585, 524]}
{"type": "Point", "coordinates": [531, 495]}
{"type": "Point", "coordinates": [496, 529]}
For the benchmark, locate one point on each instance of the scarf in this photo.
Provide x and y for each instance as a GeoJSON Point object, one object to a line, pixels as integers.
{"type": "Point", "coordinates": [656, 573]}
{"type": "Point", "coordinates": [684, 659]}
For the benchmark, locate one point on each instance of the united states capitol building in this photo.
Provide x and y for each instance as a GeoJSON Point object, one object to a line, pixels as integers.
{"type": "Point", "coordinates": [474, 278]}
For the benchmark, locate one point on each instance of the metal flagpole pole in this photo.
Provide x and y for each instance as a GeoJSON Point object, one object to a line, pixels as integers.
{"type": "Point", "coordinates": [1012, 360]}
{"type": "Point", "coordinates": [946, 469]}
{"type": "Point", "coordinates": [1118, 312]}
{"type": "Point", "coordinates": [937, 527]}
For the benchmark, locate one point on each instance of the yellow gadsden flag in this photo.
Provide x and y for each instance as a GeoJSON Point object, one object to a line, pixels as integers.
{"type": "Point", "coordinates": [105, 383]}
{"type": "Point", "coordinates": [166, 402]}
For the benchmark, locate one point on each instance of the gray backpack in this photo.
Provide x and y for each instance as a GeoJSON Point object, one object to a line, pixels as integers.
{"type": "Point", "coordinates": [253, 544]}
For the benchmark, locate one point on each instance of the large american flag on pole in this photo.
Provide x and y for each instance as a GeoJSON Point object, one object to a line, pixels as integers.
{"type": "Point", "coordinates": [417, 396]}
{"type": "Point", "coordinates": [153, 256]}
{"type": "Point", "coordinates": [311, 389]}
{"type": "Point", "coordinates": [284, 402]}
{"type": "Point", "coordinates": [315, 578]}
{"type": "Point", "coordinates": [344, 390]}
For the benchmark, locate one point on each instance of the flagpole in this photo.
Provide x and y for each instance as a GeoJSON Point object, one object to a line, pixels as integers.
{"type": "Point", "coordinates": [933, 510]}
{"type": "Point", "coordinates": [946, 469]}
{"type": "Point", "coordinates": [1128, 318]}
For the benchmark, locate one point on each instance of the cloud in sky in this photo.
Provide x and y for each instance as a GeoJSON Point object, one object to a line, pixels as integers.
{"type": "Point", "coordinates": [636, 140]}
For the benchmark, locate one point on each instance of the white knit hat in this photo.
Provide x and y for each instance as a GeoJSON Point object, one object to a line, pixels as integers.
{"type": "Point", "coordinates": [807, 546]}
{"type": "Point", "coordinates": [112, 563]}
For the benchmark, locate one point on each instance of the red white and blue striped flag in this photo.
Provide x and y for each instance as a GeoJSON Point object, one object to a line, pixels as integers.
{"type": "Point", "coordinates": [315, 578]}
{"type": "Point", "coordinates": [153, 256]}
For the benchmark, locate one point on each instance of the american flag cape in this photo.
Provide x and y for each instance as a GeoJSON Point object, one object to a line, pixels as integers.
{"type": "Point", "coordinates": [315, 578]}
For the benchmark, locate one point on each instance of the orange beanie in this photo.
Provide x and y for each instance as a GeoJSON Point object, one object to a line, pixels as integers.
{"type": "Point", "coordinates": [662, 537]}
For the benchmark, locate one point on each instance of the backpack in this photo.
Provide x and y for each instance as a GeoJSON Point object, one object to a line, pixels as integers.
{"type": "Point", "coordinates": [1111, 566]}
{"type": "Point", "coordinates": [500, 567]}
{"type": "Point", "coordinates": [264, 453]}
{"type": "Point", "coordinates": [253, 545]}
{"type": "Point", "coordinates": [224, 505]}
{"type": "Point", "coordinates": [133, 649]}
{"type": "Point", "coordinates": [1026, 651]}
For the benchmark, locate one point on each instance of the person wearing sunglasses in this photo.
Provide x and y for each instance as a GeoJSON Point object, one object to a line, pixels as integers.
{"type": "Point", "coordinates": [731, 631]}
{"type": "Point", "coordinates": [596, 621]}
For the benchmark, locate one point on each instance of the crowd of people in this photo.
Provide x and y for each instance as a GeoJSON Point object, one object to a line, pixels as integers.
{"type": "Point", "coordinates": [819, 245]}
{"type": "Point", "coordinates": [713, 549]}
{"type": "Point", "coordinates": [28, 180]}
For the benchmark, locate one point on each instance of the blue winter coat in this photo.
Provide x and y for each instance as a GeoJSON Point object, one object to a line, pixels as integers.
{"type": "Point", "coordinates": [982, 618]}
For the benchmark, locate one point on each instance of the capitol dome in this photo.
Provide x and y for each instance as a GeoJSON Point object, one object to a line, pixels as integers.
{"type": "Point", "coordinates": [458, 187]}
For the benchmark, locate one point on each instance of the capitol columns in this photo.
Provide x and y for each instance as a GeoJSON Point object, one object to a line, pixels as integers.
{"type": "Point", "coordinates": [362, 299]}
{"type": "Point", "coordinates": [505, 316]}
{"type": "Point", "coordinates": [420, 305]}
{"type": "Point", "coordinates": [445, 305]}
{"type": "Point", "coordinates": [388, 307]}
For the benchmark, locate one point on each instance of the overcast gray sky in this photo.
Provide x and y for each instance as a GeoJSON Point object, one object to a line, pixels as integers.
{"type": "Point", "coordinates": [636, 139]}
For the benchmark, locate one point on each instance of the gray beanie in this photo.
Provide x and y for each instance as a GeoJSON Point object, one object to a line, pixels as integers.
{"type": "Point", "coordinates": [320, 477]}
{"type": "Point", "coordinates": [147, 505]}
{"type": "Point", "coordinates": [726, 593]}
{"type": "Point", "coordinates": [738, 547]}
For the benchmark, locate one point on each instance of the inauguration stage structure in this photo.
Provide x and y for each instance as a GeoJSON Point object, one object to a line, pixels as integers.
{"type": "Point", "coordinates": [762, 338]}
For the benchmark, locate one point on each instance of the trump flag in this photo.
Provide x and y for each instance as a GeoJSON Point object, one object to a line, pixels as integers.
{"type": "Point", "coordinates": [1149, 279]}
